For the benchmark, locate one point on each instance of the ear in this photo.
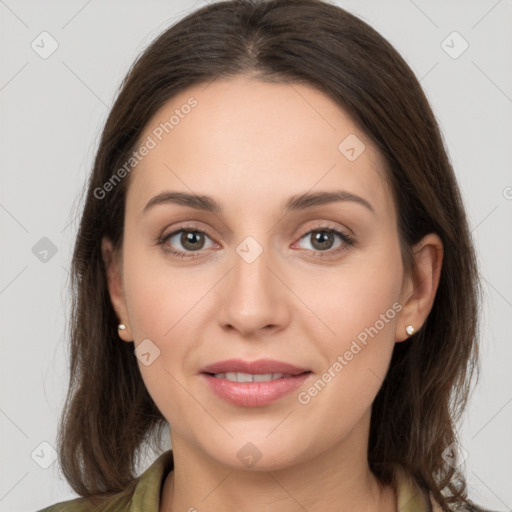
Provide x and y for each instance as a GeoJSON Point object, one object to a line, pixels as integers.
{"type": "Point", "coordinates": [419, 288]}
{"type": "Point", "coordinates": [113, 268]}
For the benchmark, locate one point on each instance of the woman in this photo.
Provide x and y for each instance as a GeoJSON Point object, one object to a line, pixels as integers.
{"type": "Point", "coordinates": [273, 259]}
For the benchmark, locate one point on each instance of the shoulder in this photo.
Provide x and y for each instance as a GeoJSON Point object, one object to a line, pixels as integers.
{"type": "Point", "coordinates": [411, 498]}
{"type": "Point", "coordinates": [76, 505]}
{"type": "Point", "coordinates": [143, 493]}
{"type": "Point", "coordinates": [468, 507]}
{"type": "Point", "coordinates": [120, 503]}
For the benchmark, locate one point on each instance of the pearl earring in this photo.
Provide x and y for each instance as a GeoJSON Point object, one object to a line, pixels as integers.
{"type": "Point", "coordinates": [409, 329]}
{"type": "Point", "coordinates": [121, 327]}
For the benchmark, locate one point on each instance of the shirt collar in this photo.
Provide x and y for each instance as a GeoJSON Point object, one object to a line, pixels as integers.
{"type": "Point", "coordinates": [410, 498]}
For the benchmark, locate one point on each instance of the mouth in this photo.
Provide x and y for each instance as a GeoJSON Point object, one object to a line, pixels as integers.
{"type": "Point", "coordinates": [252, 377]}
{"type": "Point", "coordinates": [253, 384]}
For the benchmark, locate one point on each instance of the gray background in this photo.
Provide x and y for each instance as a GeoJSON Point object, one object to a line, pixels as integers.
{"type": "Point", "coordinates": [52, 111]}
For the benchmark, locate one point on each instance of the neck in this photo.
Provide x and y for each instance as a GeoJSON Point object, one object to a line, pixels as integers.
{"type": "Point", "coordinates": [336, 480]}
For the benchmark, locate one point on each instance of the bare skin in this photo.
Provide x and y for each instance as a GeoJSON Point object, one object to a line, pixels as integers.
{"type": "Point", "coordinates": [250, 146]}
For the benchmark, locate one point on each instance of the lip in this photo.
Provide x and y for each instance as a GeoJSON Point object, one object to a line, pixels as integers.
{"type": "Point", "coordinates": [253, 394]}
{"type": "Point", "coordinates": [259, 366]}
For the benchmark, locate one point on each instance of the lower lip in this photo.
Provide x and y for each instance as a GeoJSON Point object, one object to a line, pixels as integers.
{"type": "Point", "coordinates": [254, 394]}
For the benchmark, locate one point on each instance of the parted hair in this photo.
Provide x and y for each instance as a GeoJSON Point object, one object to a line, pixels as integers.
{"type": "Point", "coordinates": [109, 418]}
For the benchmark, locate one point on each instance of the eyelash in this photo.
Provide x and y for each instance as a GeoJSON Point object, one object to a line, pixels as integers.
{"type": "Point", "coordinates": [348, 241]}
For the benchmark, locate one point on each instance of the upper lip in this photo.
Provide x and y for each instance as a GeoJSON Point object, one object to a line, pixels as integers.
{"type": "Point", "coordinates": [253, 367]}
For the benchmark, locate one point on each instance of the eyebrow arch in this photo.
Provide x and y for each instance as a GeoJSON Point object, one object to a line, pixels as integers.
{"type": "Point", "coordinates": [294, 203]}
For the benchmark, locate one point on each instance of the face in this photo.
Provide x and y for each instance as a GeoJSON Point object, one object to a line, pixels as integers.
{"type": "Point", "coordinates": [318, 285]}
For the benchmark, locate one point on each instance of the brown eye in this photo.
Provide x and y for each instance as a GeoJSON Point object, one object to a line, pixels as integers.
{"type": "Point", "coordinates": [192, 240]}
{"type": "Point", "coordinates": [322, 240]}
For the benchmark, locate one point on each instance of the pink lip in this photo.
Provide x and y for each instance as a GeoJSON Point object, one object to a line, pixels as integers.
{"type": "Point", "coordinates": [259, 366]}
{"type": "Point", "coordinates": [254, 394]}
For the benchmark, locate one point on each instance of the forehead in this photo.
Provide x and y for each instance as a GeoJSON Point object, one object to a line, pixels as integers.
{"type": "Point", "coordinates": [255, 141]}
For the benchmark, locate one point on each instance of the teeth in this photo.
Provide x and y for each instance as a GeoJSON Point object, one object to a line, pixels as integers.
{"type": "Point", "coordinates": [249, 377]}
{"type": "Point", "coordinates": [265, 377]}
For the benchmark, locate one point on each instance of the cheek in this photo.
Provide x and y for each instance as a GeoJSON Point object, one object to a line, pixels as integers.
{"type": "Point", "coordinates": [162, 303]}
{"type": "Point", "coordinates": [355, 296]}
{"type": "Point", "coordinates": [160, 296]}
{"type": "Point", "coordinates": [358, 305]}
{"type": "Point", "coordinates": [166, 306]}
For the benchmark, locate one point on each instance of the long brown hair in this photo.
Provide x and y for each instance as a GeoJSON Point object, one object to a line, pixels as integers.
{"type": "Point", "coordinates": [109, 417]}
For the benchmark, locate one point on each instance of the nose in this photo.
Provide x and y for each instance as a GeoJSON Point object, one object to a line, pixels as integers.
{"type": "Point", "coordinates": [254, 296]}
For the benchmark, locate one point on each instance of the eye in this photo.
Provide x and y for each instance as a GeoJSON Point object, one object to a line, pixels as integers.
{"type": "Point", "coordinates": [191, 240]}
{"type": "Point", "coordinates": [323, 238]}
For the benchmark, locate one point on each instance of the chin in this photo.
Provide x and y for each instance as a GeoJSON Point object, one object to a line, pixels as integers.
{"type": "Point", "coordinates": [258, 453]}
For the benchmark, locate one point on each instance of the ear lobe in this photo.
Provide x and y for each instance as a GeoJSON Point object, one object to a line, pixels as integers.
{"type": "Point", "coordinates": [419, 294]}
{"type": "Point", "coordinates": [113, 270]}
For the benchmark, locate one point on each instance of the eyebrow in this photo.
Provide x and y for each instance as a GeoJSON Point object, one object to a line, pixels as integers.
{"type": "Point", "coordinates": [294, 203]}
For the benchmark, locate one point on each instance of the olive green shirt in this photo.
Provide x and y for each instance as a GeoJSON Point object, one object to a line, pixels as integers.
{"type": "Point", "coordinates": [145, 495]}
